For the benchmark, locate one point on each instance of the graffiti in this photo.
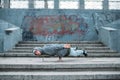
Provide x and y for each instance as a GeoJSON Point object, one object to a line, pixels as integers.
{"type": "Point", "coordinates": [56, 25]}
{"type": "Point", "coordinates": [101, 19]}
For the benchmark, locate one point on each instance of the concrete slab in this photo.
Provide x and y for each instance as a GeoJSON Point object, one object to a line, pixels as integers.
{"type": "Point", "coordinates": [53, 60]}
{"type": "Point", "coordinates": [87, 75]}
{"type": "Point", "coordinates": [27, 68]}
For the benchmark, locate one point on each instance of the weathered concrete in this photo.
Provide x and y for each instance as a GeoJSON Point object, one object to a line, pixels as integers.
{"type": "Point", "coordinates": [10, 35]}
{"type": "Point", "coordinates": [12, 38]}
{"type": "Point", "coordinates": [52, 25]}
{"type": "Point", "coordinates": [57, 24]}
{"type": "Point", "coordinates": [30, 68]}
{"type": "Point", "coordinates": [94, 48]}
{"type": "Point", "coordinates": [52, 63]}
{"type": "Point", "coordinates": [111, 75]}
{"type": "Point", "coordinates": [37, 60]}
{"type": "Point", "coordinates": [110, 37]}
{"type": "Point", "coordinates": [101, 63]}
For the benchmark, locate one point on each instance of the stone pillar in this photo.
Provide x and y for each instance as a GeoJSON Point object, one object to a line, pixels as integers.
{"type": "Point", "coordinates": [0, 4]}
{"type": "Point", "coordinates": [56, 4]}
{"type": "Point", "coordinates": [6, 3]}
{"type": "Point", "coordinates": [31, 4]}
{"type": "Point", "coordinates": [81, 4]}
{"type": "Point", "coordinates": [105, 4]}
{"type": "Point", "coordinates": [46, 4]}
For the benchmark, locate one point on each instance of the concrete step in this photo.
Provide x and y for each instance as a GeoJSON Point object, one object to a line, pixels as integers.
{"type": "Point", "coordinates": [23, 54]}
{"type": "Point", "coordinates": [51, 64]}
{"type": "Point", "coordinates": [94, 48]}
{"type": "Point", "coordinates": [85, 75]}
{"type": "Point", "coordinates": [21, 64]}
{"type": "Point", "coordinates": [95, 66]}
{"type": "Point", "coordinates": [60, 42]}
{"type": "Point", "coordinates": [89, 51]}
{"type": "Point", "coordinates": [24, 68]}
{"type": "Point", "coordinates": [101, 51]}
{"type": "Point", "coordinates": [86, 48]}
{"type": "Point", "coordinates": [73, 45]}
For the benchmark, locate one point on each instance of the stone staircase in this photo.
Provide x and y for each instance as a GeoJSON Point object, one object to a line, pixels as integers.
{"type": "Point", "coordinates": [20, 64]}
{"type": "Point", "coordinates": [94, 48]}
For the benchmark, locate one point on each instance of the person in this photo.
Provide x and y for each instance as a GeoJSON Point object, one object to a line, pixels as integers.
{"type": "Point", "coordinates": [59, 50]}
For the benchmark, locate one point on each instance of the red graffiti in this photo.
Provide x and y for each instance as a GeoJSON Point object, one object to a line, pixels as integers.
{"type": "Point", "coordinates": [44, 25]}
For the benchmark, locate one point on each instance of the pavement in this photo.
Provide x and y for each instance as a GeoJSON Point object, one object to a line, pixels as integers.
{"type": "Point", "coordinates": [77, 68]}
{"type": "Point", "coordinates": [54, 60]}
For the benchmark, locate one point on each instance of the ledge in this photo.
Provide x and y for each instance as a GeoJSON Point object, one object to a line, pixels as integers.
{"type": "Point", "coordinates": [109, 28]}
{"type": "Point", "coordinates": [10, 30]}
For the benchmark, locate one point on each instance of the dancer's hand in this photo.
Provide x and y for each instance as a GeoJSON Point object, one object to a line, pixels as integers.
{"type": "Point", "coordinates": [67, 45]}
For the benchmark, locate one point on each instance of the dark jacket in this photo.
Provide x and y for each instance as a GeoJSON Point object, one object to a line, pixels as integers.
{"type": "Point", "coordinates": [53, 49]}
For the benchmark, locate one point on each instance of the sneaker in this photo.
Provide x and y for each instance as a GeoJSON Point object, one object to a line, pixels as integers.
{"type": "Point", "coordinates": [85, 53]}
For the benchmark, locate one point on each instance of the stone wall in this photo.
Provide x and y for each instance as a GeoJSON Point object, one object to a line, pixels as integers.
{"type": "Point", "coordinates": [57, 24]}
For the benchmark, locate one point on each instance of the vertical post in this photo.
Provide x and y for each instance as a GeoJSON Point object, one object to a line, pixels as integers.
{"type": "Point", "coordinates": [46, 4]}
{"type": "Point", "coordinates": [0, 4]}
{"type": "Point", "coordinates": [105, 4]}
{"type": "Point", "coordinates": [56, 4]}
{"type": "Point", "coordinates": [6, 3]}
{"type": "Point", "coordinates": [31, 4]}
{"type": "Point", "coordinates": [81, 4]}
